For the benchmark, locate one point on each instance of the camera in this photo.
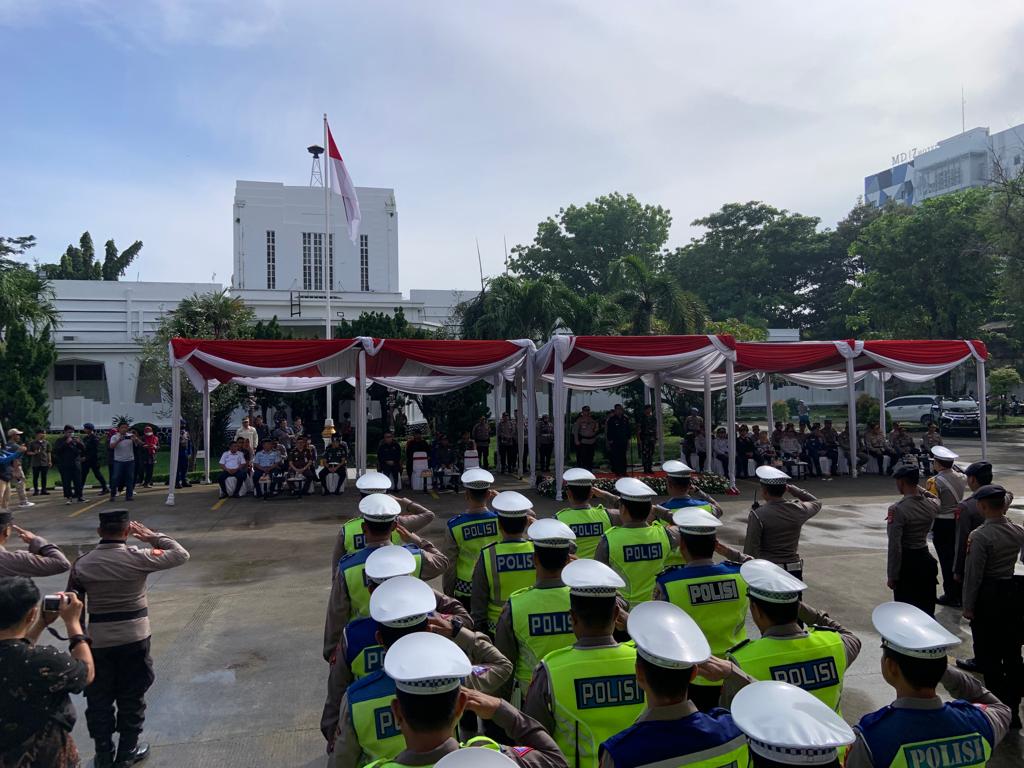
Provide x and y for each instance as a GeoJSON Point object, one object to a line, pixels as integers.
{"type": "Point", "coordinates": [52, 603]}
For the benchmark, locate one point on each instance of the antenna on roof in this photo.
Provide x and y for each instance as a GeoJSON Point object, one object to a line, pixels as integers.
{"type": "Point", "coordinates": [480, 263]}
{"type": "Point", "coordinates": [316, 176]}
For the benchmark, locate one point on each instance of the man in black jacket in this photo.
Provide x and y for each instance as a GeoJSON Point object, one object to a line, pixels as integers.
{"type": "Point", "coordinates": [92, 457]}
{"type": "Point", "coordinates": [68, 453]}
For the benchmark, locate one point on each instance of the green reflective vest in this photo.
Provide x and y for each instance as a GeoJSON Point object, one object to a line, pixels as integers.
{"type": "Point", "coordinates": [354, 538]}
{"type": "Point", "coordinates": [509, 568]}
{"type": "Point", "coordinates": [676, 557]}
{"type": "Point", "coordinates": [369, 703]}
{"type": "Point", "coordinates": [589, 525]}
{"type": "Point", "coordinates": [815, 663]}
{"type": "Point", "coordinates": [472, 531]}
{"type": "Point", "coordinates": [353, 571]}
{"type": "Point", "coordinates": [638, 556]}
{"type": "Point", "coordinates": [594, 694]}
{"type": "Point", "coordinates": [540, 621]}
{"type": "Point", "coordinates": [480, 742]}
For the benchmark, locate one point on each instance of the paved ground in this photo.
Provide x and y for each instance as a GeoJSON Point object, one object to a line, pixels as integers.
{"type": "Point", "coordinates": [237, 630]}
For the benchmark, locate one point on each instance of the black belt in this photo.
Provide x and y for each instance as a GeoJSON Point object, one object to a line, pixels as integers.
{"type": "Point", "coordinates": [104, 618]}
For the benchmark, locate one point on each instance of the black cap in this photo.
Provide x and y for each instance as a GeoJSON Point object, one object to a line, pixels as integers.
{"type": "Point", "coordinates": [906, 472]}
{"type": "Point", "coordinates": [988, 491]}
{"type": "Point", "coordinates": [114, 516]}
{"type": "Point", "coordinates": [978, 468]}
{"type": "Point", "coordinates": [6, 518]}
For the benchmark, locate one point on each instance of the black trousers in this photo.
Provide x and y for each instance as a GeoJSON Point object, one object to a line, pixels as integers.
{"type": "Point", "coordinates": [484, 451]}
{"type": "Point", "coordinates": [93, 465]}
{"type": "Point", "coordinates": [222, 479]}
{"type": "Point", "coordinates": [944, 539]}
{"type": "Point", "coordinates": [70, 480]}
{"type": "Point", "coordinates": [507, 456]}
{"type": "Point", "coordinates": [647, 455]}
{"type": "Point", "coordinates": [617, 457]}
{"type": "Point", "coordinates": [545, 457]}
{"type": "Point", "coordinates": [997, 631]}
{"type": "Point", "coordinates": [39, 474]}
{"type": "Point", "coordinates": [916, 581]}
{"type": "Point", "coordinates": [585, 456]}
{"type": "Point", "coordinates": [116, 698]}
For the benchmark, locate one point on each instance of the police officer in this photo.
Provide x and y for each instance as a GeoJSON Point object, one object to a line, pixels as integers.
{"type": "Point", "coordinates": [505, 566]}
{"type": "Point", "coordinates": [413, 517]}
{"type": "Point", "coordinates": [948, 484]}
{"type": "Point", "coordinates": [359, 651]}
{"type": "Point", "coordinates": [671, 730]}
{"type": "Point", "coordinates": [773, 528]}
{"type": "Point", "coordinates": [647, 437]}
{"type": "Point", "coordinates": [993, 602]}
{"type": "Point", "coordinates": [584, 437]}
{"type": "Point", "coordinates": [586, 693]}
{"type": "Point", "coordinates": [111, 580]}
{"type": "Point", "coordinates": [918, 728]}
{"type": "Point", "coordinates": [814, 658]}
{"type": "Point", "coordinates": [41, 559]}
{"type": "Point", "coordinates": [401, 606]}
{"type": "Point", "coordinates": [587, 517]}
{"type": "Point", "coordinates": [785, 725]}
{"type": "Point", "coordinates": [427, 671]}
{"type": "Point", "coordinates": [910, 568]}
{"type": "Point", "coordinates": [636, 549]}
{"type": "Point", "coordinates": [350, 597]}
{"type": "Point", "coordinates": [682, 493]}
{"type": "Point", "coordinates": [335, 462]}
{"type": "Point", "coordinates": [535, 620]}
{"type": "Point", "coordinates": [467, 534]}
{"type": "Point", "coordinates": [713, 595]}
{"type": "Point", "coordinates": [617, 433]}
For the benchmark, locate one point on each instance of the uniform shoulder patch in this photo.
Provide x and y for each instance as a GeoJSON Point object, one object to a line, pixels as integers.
{"type": "Point", "coordinates": [520, 751]}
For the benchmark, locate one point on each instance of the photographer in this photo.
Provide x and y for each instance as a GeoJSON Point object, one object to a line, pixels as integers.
{"type": "Point", "coordinates": [37, 679]}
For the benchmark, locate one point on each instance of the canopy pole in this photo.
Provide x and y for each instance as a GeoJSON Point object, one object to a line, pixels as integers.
{"type": "Point", "coordinates": [206, 432]}
{"type": "Point", "coordinates": [982, 410]}
{"type": "Point", "coordinates": [707, 423]}
{"type": "Point", "coordinates": [730, 415]}
{"type": "Point", "coordinates": [769, 413]}
{"type": "Point", "coordinates": [851, 416]}
{"type": "Point", "coordinates": [520, 424]}
{"type": "Point", "coordinates": [531, 409]}
{"type": "Point", "coordinates": [361, 414]}
{"type": "Point", "coordinates": [658, 418]}
{"type": "Point", "coordinates": [559, 418]}
{"type": "Point", "coordinates": [175, 431]}
{"type": "Point", "coordinates": [328, 264]}
{"type": "Point", "coordinates": [498, 382]}
{"type": "Point", "coordinates": [881, 399]}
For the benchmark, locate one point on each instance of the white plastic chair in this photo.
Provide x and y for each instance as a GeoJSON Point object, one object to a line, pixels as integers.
{"type": "Point", "coordinates": [471, 459]}
{"type": "Point", "coordinates": [420, 469]}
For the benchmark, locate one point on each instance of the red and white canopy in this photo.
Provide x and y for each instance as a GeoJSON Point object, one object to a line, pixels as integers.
{"type": "Point", "coordinates": [431, 367]}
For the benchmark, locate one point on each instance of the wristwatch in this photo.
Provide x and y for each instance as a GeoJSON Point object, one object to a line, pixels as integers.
{"type": "Point", "coordinates": [456, 627]}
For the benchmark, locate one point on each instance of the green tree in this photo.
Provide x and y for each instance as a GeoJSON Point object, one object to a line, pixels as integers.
{"type": "Point", "coordinates": [928, 270]}
{"type": "Point", "coordinates": [579, 245]}
{"type": "Point", "coordinates": [754, 262]}
{"type": "Point", "coordinates": [25, 296]}
{"type": "Point", "coordinates": [26, 359]}
{"type": "Point", "coordinates": [653, 301]}
{"type": "Point", "coordinates": [512, 307]}
{"type": "Point", "coordinates": [1004, 225]}
{"type": "Point", "coordinates": [79, 262]}
{"type": "Point", "coordinates": [737, 329]}
{"type": "Point", "coordinates": [1001, 381]}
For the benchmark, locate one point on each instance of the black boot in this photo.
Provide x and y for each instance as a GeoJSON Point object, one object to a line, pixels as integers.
{"type": "Point", "coordinates": [104, 753]}
{"type": "Point", "coordinates": [130, 751]}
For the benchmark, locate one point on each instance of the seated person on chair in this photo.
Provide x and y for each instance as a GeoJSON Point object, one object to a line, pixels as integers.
{"type": "Point", "coordinates": [442, 462]}
{"type": "Point", "coordinates": [232, 464]}
{"type": "Point", "coordinates": [268, 463]}
{"type": "Point", "coordinates": [335, 462]}
{"type": "Point", "coordinates": [300, 465]}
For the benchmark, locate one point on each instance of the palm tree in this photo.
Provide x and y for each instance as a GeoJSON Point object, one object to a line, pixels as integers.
{"type": "Point", "coordinates": [652, 297]}
{"type": "Point", "coordinates": [25, 297]}
{"type": "Point", "coordinates": [511, 308]}
{"type": "Point", "coordinates": [211, 316]}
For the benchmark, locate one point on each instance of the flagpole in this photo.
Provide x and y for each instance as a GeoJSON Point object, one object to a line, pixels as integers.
{"type": "Point", "coordinates": [328, 272]}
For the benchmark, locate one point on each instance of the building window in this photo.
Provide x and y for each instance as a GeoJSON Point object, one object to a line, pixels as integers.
{"type": "Point", "coordinates": [271, 259]}
{"type": "Point", "coordinates": [364, 263]}
{"type": "Point", "coordinates": [307, 261]}
{"type": "Point", "coordinates": [83, 378]}
{"type": "Point", "coordinates": [313, 261]}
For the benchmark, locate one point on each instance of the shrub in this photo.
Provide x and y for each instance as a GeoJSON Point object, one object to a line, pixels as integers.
{"type": "Point", "coordinates": [780, 410]}
{"type": "Point", "coordinates": [792, 404]}
{"type": "Point", "coordinates": [707, 482]}
{"type": "Point", "coordinates": [868, 411]}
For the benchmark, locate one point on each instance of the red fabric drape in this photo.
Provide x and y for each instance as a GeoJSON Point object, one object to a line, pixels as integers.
{"type": "Point", "coordinates": [264, 353]}
{"type": "Point", "coordinates": [925, 351]}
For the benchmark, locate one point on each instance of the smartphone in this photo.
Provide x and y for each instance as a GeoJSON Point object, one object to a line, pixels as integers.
{"type": "Point", "coordinates": [51, 603]}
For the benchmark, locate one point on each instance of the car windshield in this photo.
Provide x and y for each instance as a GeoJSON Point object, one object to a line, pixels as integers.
{"type": "Point", "coordinates": [964, 404]}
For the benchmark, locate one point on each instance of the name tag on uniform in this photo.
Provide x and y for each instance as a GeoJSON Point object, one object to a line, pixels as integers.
{"type": "Point", "coordinates": [713, 592]}
{"type": "Point", "coordinates": [517, 561]}
{"type": "Point", "coordinates": [615, 691]}
{"type": "Point", "coordinates": [384, 721]}
{"type": "Point", "coordinates": [587, 530]}
{"type": "Point", "coordinates": [373, 657]}
{"type": "Point", "coordinates": [949, 753]}
{"type": "Point", "coordinates": [542, 624]}
{"type": "Point", "coordinates": [479, 530]}
{"type": "Point", "coordinates": [635, 553]}
{"type": "Point", "coordinates": [809, 675]}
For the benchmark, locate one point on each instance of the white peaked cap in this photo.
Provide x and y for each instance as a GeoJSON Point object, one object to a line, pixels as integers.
{"type": "Point", "coordinates": [788, 725]}
{"type": "Point", "coordinates": [666, 636]}
{"type": "Point", "coordinates": [908, 630]}
{"type": "Point", "coordinates": [675, 468]}
{"type": "Point", "coordinates": [591, 578]}
{"type": "Point", "coordinates": [695, 520]}
{"type": "Point", "coordinates": [402, 602]}
{"type": "Point", "coordinates": [578, 476]}
{"type": "Point", "coordinates": [373, 482]}
{"type": "Point", "coordinates": [770, 582]}
{"type": "Point", "coordinates": [549, 532]}
{"type": "Point", "coordinates": [943, 453]}
{"type": "Point", "coordinates": [389, 561]}
{"type": "Point", "coordinates": [632, 489]}
{"type": "Point", "coordinates": [476, 757]}
{"type": "Point", "coordinates": [771, 476]}
{"type": "Point", "coordinates": [379, 508]}
{"type": "Point", "coordinates": [477, 478]}
{"type": "Point", "coordinates": [511, 504]}
{"type": "Point", "coordinates": [425, 663]}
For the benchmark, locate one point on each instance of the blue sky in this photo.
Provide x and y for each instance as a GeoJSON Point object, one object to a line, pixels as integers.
{"type": "Point", "coordinates": [134, 119]}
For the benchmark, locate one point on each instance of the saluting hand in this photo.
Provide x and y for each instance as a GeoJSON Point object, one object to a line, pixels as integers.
{"type": "Point", "coordinates": [139, 531]}
{"type": "Point", "coordinates": [715, 669]}
{"type": "Point", "coordinates": [439, 625]}
{"type": "Point", "coordinates": [26, 536]}
{"type": "Point", "coordinates": [481, 704]}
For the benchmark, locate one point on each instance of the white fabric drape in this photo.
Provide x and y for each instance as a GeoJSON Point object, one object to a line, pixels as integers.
{"type": "Point", "coordinates": [851, 416]}
{"type": "Point", "coordinates": [769, 414]}
{"type": "Point", "coordinates": [881, 400]}
{"type": "Point", "coordinates": [520, 423]}
{"type": "Point", "coordinates": [707, 424]}
{"type": "Point", "coordinates": [175, 432]}
{"type": "Point", "coordinates": [531, 408]}
{"type": "Point", "coordinates": [361, 420]}
{"type": "Point", "coordinates": [659, 417]}
{"type": "Point", "coordinates": [206, 432]}
{"type": "Point", "coordinates": [730, 417]}
{"type": "Point", "coordinates": [559, 418]}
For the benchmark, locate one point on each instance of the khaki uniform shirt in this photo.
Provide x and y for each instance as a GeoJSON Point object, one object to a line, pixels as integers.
{"type": "Point", "coordinates": [113, 579]}
{"type": "Point", "coordinates": [414, 522]}
{"type": "Point", "coordinates": [908, 523]}
{"type": "Point", "coordinates": [993, 549]}
{"type": "Point", "coordinates": [41, 559]}
{"type": "Point", "coordinates": [773, 529]}
{"type": "Point", "coordinates": [961, 686]}
{"type": "Point", "coordinates": [584, 430]}
{"type": "Point", "coordinates": [949, 487]}
{"type": "Point", "coordinates": [339, 605]}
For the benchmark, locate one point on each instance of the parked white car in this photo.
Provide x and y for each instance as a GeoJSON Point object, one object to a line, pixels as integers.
{"type": "Point", "coordinates": [919, 408]}
{"type": "Point", "coordinates": [951, 415]}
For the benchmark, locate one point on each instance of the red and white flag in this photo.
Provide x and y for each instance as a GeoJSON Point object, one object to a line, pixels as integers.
{"type": "Point", "coordinates": [341, 183]}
